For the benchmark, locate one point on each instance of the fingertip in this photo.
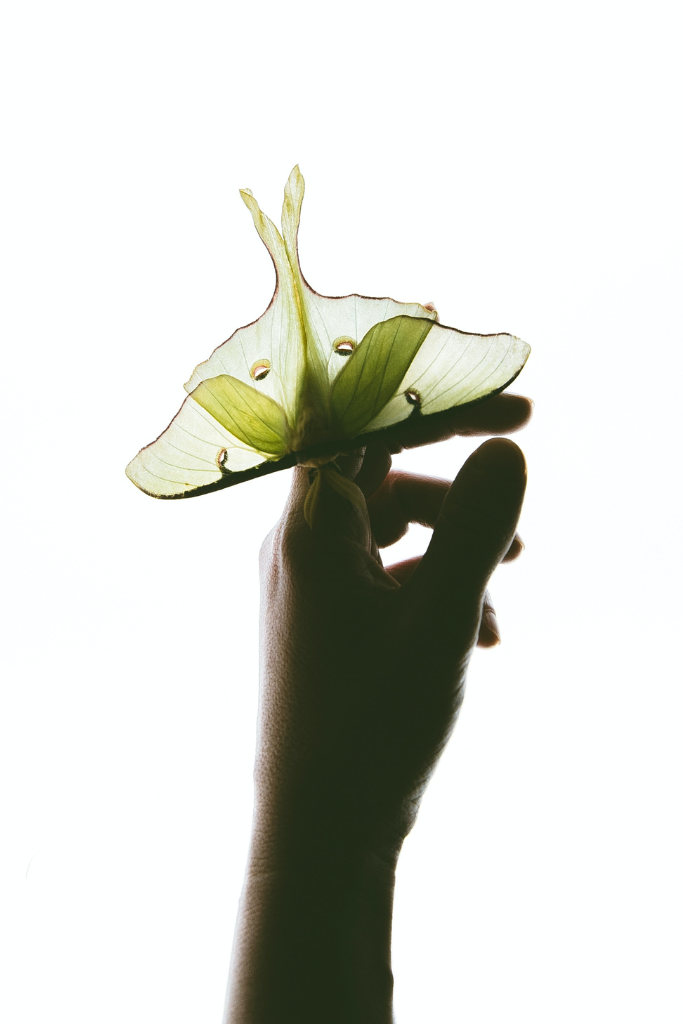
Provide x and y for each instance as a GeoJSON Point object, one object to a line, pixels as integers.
{"type": "Point", "coordinates": [511, 412]}
{"type": "Point", "coordinates": [504, 413]}
{"type": "Point", "coordinates": [374, 469]}
{"type": "Point", "coordinates": [489, 630]}
{"type": "Point", "coordinates": [515, 549]}
{"type": "Point", "coordinates": [500, 455]}
{"type": "Point", "coordinates": [520, 408]}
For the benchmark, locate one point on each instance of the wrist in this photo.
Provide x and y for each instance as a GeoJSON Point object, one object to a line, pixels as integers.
{"type": "Point", "coordinates": [313, 939]}
{"type": "Point", "coordinates": [345, 870]}
{"type": "Point", "coordinates": [315, 828]}
{"type": "Point", "coordinates": [281, 850]}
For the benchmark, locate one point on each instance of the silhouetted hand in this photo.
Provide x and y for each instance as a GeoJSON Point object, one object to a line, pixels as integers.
{"type": "Point", "coordinates": [363, 671]}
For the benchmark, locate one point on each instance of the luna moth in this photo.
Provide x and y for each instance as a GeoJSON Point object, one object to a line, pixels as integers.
{"type": "Point", "coordinates": [313, 377]}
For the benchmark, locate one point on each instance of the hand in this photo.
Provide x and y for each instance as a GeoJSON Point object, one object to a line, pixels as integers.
{"type": "Point", "coordinates": [363, 671]}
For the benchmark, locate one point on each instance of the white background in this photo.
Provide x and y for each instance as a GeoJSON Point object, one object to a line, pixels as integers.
{"type": "Point", "coordinates": [517, 163]}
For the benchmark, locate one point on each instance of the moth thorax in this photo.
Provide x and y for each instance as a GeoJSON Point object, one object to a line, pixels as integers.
{"type": "Point", "coordinates": [310, 428]}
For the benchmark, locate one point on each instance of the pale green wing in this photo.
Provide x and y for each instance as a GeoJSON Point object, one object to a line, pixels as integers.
{"type": "Point", "coordinates": [194, 453]}
{"type": "Point", "coordinates": [333, 320]}
{"type": "Point", "coordinates": [328, 319]}
{"type": "Point", "coordinates": [453, 368]}
{"type": "Point", "coordinates": [275, 341]}
{"type": "Point", "coordinates": [374, 372]}
{"type": "Point", "coordinates": [255, 419]}
{"type": "Point", "coordinates": [242, 397]}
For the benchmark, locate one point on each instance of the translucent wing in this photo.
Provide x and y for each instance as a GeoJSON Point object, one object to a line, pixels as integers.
{"type": "Point", "coordinates": [350, 317]}
{"type": "Point", "coordinates": [300, 326]}
{"type": "Point", "coordinates": [251, 417]}
{"type": "Point", "coordinates": [453, 368]}
{"type": "Point", "coordinates": [275, 341]}
{"type": "Point", "coordinates": [374, 372]}
{"type": "Point", "coordinates": [330, 319]}
{"type": "Point", "coordinates": [194, 454]}
{"type": "Point", "coordinates": [197, 452]}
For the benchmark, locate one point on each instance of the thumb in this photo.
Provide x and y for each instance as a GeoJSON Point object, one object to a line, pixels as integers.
{"type": "Point", "coordinates": [473, 532]}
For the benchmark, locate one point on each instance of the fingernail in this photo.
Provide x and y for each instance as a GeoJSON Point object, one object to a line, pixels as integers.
{"type": "Point", "coordinates": [490, 621]}
{"type": "Point", "coordinates": [517, 546]}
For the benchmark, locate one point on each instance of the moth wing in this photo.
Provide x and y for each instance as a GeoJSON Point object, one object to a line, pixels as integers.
{"type": "Point", "coordinates": [374, 372]}
{"type": "Point", "coordinates": [275, 339]}
{"type": "Point", "coordinates": [330, 318]}
{"type": "Point", "coordinates": [454, 368]}
{"type": "Point", "coordinates": [194, 454]}
{"type": "Point", "coordinates": [350, 316]}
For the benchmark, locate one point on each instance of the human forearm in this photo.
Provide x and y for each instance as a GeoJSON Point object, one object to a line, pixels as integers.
{"type": "Point", "coordinates": [313, 942]}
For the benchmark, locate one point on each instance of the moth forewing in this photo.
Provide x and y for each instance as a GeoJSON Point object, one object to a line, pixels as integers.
{"type": "Point", "coordinates": [252, 417]}
{"type": "Point", "coordinates": [373, 373]}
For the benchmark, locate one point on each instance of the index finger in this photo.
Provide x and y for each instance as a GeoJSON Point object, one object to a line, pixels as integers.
{"type": "Point", "coordinates": [500, 414]}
